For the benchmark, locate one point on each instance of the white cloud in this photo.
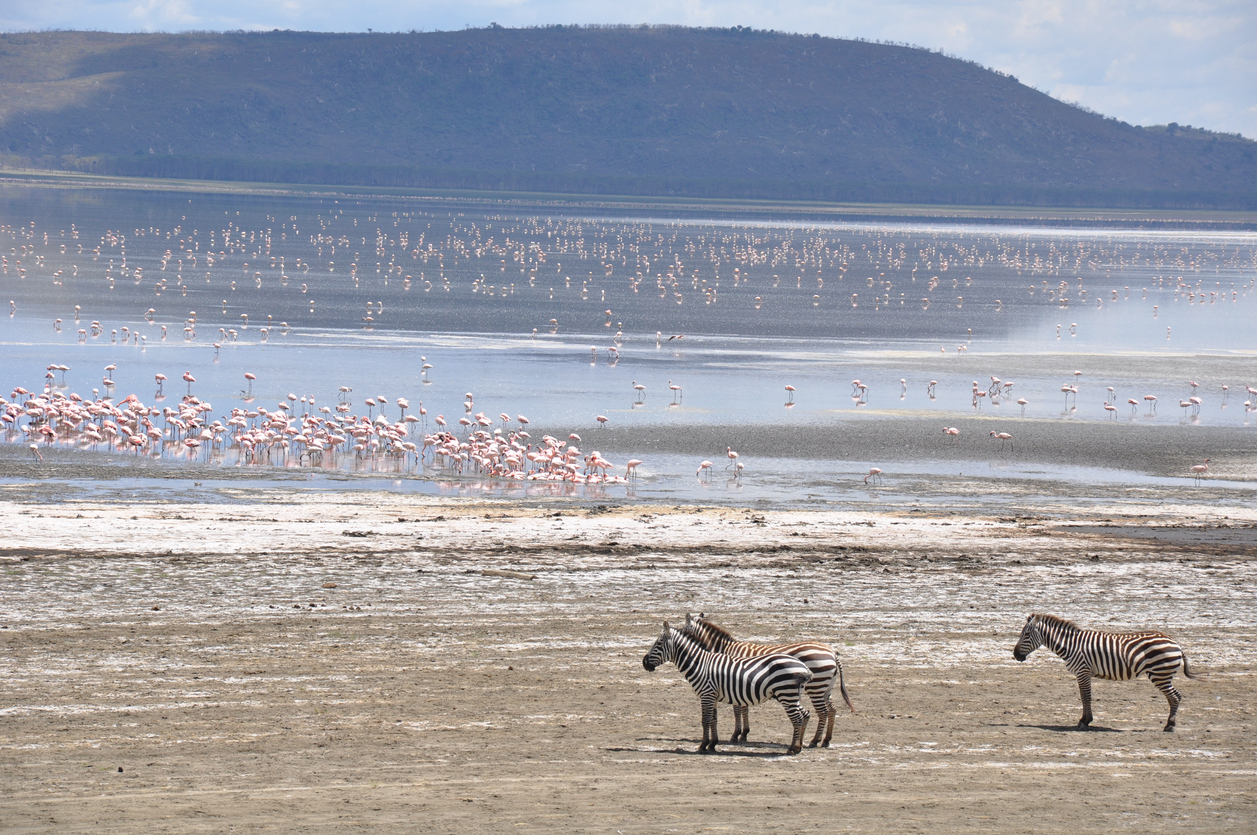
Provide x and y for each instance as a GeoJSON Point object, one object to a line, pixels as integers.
{"type": "Point", "coordinates": [1143, 61]}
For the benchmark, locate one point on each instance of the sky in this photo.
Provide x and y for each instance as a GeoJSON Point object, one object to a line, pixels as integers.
{"type": "Point", "coordinates": [1146, 62]}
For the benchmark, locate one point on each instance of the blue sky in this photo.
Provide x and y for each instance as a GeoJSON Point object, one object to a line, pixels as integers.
{"type": "Point", "coordinates": [1143, 61]}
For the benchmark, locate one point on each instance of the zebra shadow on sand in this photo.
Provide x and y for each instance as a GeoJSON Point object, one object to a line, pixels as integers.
{"type": "Point", "coordinates": [1068, 729]}
{"type": "Point", "coordinates": [754, 750]}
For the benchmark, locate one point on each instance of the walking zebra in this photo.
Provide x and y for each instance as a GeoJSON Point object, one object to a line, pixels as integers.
{"type": "Point", "coordinates": [1117, 656]}
{"type": "Point", "coordinates": [736, 681]}
{"type": "Point", "coordinates": [819, 658]}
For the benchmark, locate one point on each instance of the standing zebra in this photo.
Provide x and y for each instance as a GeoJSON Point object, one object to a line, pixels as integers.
{"type": "Point", "coordinates": [736, 681]}
{"type": "Point", "coordinates": [819, 658]}
{"type": "Point", "coordinates": [1117, 656]}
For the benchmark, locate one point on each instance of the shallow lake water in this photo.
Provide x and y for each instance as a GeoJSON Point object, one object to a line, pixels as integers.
{"type": "Point", "coordinates": [558, 315]}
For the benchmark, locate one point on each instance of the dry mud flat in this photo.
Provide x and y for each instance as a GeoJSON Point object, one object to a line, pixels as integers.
{"type": "Point", "coordinates": [255, 664]}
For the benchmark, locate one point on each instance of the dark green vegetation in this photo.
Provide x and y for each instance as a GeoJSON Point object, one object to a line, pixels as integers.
{"type": "Point", "coordinates": [654, 111]}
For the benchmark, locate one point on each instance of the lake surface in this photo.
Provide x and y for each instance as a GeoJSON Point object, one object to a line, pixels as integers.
{"type": "Point", "coordinates": [558, 315]}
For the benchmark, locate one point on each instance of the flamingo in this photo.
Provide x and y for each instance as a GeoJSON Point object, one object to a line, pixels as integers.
{"type": "Point", "coordinates": [189, 379]}
{"type": "Point", "coordinates": [630, 468]}
{"type": "Point", "coordinates": [875, 473]}
{"type": "Point", "coordinates": [951, 432]}
{"type": "Point", "coordinates": [790, 390]}
{"type": "Point", "coordinates": [161, 379]}
{"type": "Point", "coordinates": [676, 391]}
{"type": "Point", "coordinates": [602, 419]}
{"type": "Point", "coordinates": [731, 455]}
{"type": "Point", "coordinates": [1022, 402]}
{"type": "Point", "coordinates": [250, 377]}
{"type": "Point", "coordinates": [706, 465]}
{"type": "Point", "coordinates": [1199, 470]}
{"type": "Point", "coordinates": [640, 389]}
{"type": "Point", "coordinates": [1004, 438]}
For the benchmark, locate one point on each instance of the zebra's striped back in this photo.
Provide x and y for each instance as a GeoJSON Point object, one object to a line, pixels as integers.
{"type": "Point", "coordinates": [820, 658]}
{"type": "Point", "coordinates": [736, 681]}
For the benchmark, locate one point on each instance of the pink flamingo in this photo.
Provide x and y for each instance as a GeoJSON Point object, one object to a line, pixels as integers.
{"type": "Point", "coordinates": [250, 377]}
{"type": "Point", "coordinates": [602, 419]}
{"type": "Point", "coordinates": [161, 379]}
{"type": "Point", "coordinates": [1004, 438]}
{"type": "Point", "coordinates": [676, 391]}
{"type": "Point", "coordinates": [1199, 470]}
{"type": "Point", "coordinates": [875, 473]}
{"type": "Point", "coordinates": [951, 432]}
{"type": "Point", "coordinates": [189, 379]}
{"type": "Point", "coordinates": [790, 390]}
{"type": "Point", "coordinates": [630, 468]}
{"type": "Point", "coordinates": [731, 455]}
{"type": "Point", "coordinates": [706, 465]}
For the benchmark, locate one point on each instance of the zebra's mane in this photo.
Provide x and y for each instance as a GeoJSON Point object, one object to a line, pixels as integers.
{"type": "Point", "coordinates": [719, 631]}
{"type": "Point", "coordinates": [682, 638]}
{"type": "Point", "coordinates": [1058, 622]}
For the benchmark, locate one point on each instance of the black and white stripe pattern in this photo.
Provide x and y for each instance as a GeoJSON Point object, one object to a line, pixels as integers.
{"type": "Point", "coordinates": [820, 658]}
{"type": "Point", "coordinates": [737, 681]}
{"type": "Point", "coordinates": [1117, 656]}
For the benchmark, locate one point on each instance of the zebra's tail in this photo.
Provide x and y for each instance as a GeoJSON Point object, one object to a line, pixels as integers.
{"type": "Point", "coordinates": [842, 687]}
{"type": "Point", "coordinates": [1188, 672]}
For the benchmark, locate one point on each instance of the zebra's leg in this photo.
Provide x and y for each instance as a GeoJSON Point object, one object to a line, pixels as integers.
{"type": "Point", "coordinates": [741, 723]}
{"type": "Point", "coordinates": [829, 723]}
{"type": "Point", "coordinates": [824, 718]}
{"type": "Point", "coordinates": [709, 724]}
{"type": "Point", "coordinates": [1084, 691]}
{"type": "Point", "coordinates": [798, 718]}
{"type": "Point", "coordinates": [798, 715]}
{"type": "Point", "coordinates": [1166, 686]}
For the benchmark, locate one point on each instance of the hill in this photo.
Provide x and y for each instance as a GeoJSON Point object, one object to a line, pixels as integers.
{"type": "Point", "coordinates": [649, 110]}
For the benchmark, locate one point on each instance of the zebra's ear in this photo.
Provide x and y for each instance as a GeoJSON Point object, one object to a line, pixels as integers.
{"type": "Point", "coordinates": [665, 626]}
{"type": "Point", "coordinates": [688, 619]}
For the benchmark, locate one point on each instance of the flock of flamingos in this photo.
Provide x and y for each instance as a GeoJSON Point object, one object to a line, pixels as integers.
{"type": "Point", "coordinates": [297, 433]}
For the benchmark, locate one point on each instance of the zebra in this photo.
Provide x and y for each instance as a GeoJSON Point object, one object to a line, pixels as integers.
{"type": "Point", "coordinates": [1117, 656]}
{"type": "Point", "coordinates": [737, 681]}
{"type": "Point", "coordinates": [819, 658]}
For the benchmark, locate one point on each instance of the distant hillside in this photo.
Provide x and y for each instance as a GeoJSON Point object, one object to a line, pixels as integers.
{"type": "Point", "coordinates": [661, 111]}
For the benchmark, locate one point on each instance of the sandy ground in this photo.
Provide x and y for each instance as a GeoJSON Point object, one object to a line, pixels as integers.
{"type": "Point", "coordinates": [246, 660]}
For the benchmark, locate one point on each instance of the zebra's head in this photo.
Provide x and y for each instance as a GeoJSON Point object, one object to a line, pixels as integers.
{"type": "Point", "coordinates": [661, 652]}
{"type": "Point", "coordinates": [1030, 639]}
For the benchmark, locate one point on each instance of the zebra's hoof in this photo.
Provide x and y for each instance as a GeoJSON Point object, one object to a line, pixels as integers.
{"type": "Point", "coordinates": [794, 749]}
{"type": "Point", "coordinates": [1084, 724]}
{"type": "Point", "coordinates": [1169, 728]}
